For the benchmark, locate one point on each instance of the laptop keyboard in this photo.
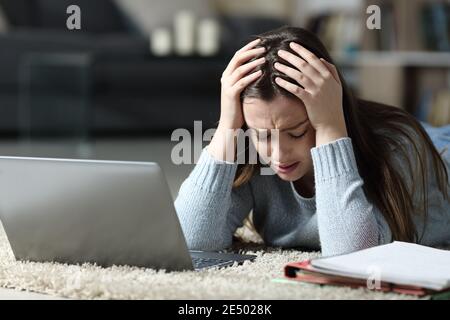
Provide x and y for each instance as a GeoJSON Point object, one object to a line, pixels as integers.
{"type": "Point", "coordinates": [200, 263]}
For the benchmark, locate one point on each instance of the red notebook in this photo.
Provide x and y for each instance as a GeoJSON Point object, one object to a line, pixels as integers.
{"type": "Point", "coordinates": [303, 271]}
{"type": "Point", "coordinates": [400, 267]}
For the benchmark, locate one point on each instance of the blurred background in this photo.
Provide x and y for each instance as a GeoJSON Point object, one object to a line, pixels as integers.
{"type": "Point", "coordinates": [138, 69]}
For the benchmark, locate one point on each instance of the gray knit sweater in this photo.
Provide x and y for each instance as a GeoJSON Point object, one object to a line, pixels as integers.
{"type": "Point", "coordinates": [338, 219]}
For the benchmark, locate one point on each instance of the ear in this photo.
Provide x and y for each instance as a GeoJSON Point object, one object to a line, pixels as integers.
{"type": "Point", "coordinates": [332, 69]}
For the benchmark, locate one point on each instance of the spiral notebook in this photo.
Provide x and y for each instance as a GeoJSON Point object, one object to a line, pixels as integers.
{"type": "Point", "coordinates": [399, 266]}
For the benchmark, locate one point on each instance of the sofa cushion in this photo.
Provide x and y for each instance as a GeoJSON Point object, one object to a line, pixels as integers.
{"type": "Point", "coordinates": [97, 16]}
{"type": "Point", "coordinates": [159, 76]}
{"type": "Point", "coordinates": [19, 12]}
{"type": "Point", "coordinates": [16, 44]}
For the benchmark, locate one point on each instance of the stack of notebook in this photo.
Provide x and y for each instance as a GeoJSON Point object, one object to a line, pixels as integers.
{"type": "Point", "coordinates": [399, 267]}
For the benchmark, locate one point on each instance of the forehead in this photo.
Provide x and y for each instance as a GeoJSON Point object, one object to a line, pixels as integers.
{"type": "Point", "coordinates": [275, 114]}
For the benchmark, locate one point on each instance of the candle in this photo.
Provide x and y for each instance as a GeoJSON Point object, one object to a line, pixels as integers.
{"type": "Point", "coordinates": [161, 42]}
{"type": "Point", "coordinates": [208, 37]}
{"type": "Point", "coordinates": [184, 32]}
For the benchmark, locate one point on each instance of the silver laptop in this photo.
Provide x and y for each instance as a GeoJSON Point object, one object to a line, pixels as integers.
{"type": "Point", "coordinates": [103, 212]}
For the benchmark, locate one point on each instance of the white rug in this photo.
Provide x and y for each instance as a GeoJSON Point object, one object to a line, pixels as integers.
{"type": "Point", "coordinates": [249, 281]}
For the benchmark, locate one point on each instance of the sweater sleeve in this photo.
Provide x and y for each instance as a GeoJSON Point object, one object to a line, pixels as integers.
{"type": "Point", "coordinates": [347, 221]}
{"type": "Point", "coordinates": [209, 209]}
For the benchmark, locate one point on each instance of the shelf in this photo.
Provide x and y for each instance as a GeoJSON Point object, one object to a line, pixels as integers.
{"type": "Point", "coordinates": [399, 59]}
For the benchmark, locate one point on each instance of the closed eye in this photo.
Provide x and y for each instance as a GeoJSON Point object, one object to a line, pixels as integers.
{"type": "Point", "coordinates": [293, 136]}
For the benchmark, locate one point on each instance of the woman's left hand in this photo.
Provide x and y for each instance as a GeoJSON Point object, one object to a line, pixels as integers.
{"type": "Point", "coordinates": [322, 93]}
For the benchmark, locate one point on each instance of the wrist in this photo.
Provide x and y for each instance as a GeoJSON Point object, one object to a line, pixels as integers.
{"type": "Point", "coordinates": [328, 134]}
{"type": "Point", "coordinates": [225, 123]}
{"type": "Point", "coordinates": [223, 144]}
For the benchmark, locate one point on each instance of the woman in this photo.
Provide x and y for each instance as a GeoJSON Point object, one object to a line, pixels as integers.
{"type": "Point", "coordinates": [350, 174]}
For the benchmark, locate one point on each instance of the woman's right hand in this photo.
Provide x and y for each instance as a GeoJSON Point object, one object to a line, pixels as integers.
{"type": "Point", "coordinates": [234, 80]}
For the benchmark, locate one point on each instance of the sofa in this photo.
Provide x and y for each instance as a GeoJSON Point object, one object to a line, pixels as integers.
{"type": "Point", "coordinates": [130, 90]}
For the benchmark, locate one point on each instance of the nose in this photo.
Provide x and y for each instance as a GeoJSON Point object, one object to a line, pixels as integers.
{"type": "Point", "coordinates": [280, 149]}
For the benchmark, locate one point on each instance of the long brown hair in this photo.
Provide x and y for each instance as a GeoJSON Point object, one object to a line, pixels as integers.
{"type": "Point", "coordinates": [375, 129]}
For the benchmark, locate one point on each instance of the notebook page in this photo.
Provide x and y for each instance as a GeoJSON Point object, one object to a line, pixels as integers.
{"type": "Point", "coordinates": [397, 262]}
